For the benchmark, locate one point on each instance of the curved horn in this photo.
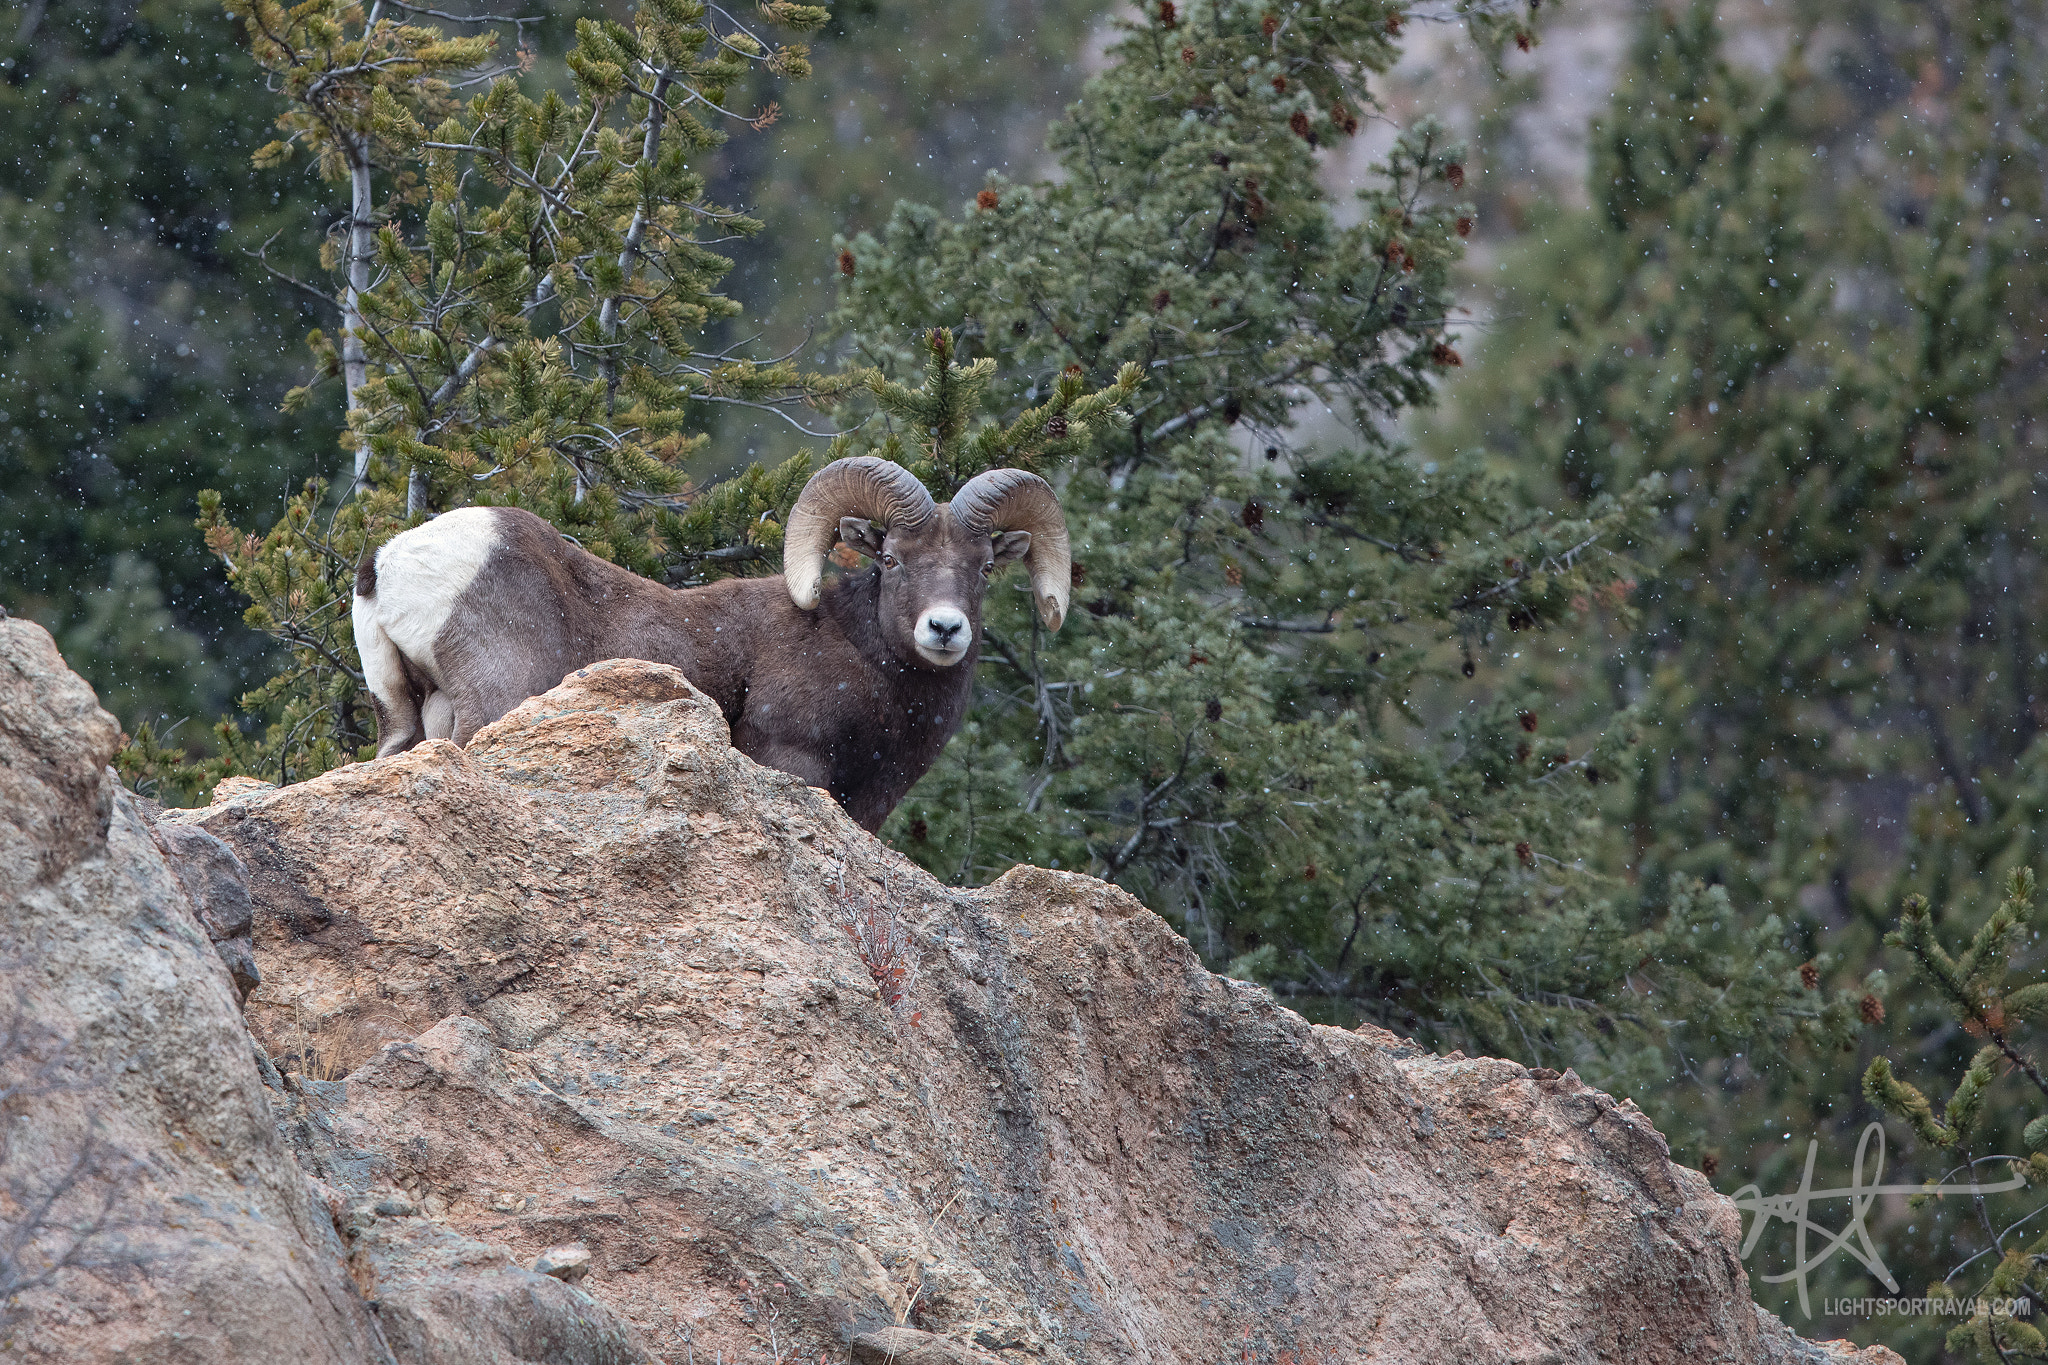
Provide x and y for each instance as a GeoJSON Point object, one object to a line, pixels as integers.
{"type": "Point", "coordinates": [1012, 500]}
{"type": "Point", "coordinates": [860, 486]}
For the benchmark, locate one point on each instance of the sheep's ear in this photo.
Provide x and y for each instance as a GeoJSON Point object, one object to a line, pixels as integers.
{"type": "Point", "coordinates": [1010, 546]}
{"type": "Point", "coordinates": [862, 534]}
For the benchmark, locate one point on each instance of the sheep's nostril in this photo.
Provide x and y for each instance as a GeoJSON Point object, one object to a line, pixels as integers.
{"type": "Point", "coordinates": [946, 630]}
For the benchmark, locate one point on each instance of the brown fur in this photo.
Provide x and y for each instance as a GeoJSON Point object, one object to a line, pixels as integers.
{"type": "Point", "coordinates": [836, 695]}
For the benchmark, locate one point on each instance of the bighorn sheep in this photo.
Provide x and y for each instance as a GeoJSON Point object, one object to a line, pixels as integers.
{"type": "Point", "coordinates": [855, 689]}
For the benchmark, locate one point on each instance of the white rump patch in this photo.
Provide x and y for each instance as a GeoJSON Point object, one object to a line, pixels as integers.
{"type": "Point", "coordinates": [420, 576]}
{"type": "Point", "coordinates": [383, 670]}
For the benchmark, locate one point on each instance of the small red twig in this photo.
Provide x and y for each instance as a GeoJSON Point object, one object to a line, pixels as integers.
{"type": "Point", "coordinates": [868, 918]}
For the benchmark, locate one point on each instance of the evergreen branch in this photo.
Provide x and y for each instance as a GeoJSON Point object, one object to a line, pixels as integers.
{"type": "Point", "coordinates": [262, 258]}
{"type": "Point", "coordinates": [1145, 824]}
{"type": "Point", "coordinates": [1201, 410]}
{"type": "Point", "coordinates": [516, 20]}
{"type": "Point", "coordinates": [1329, 626]}
{"type": "Point", "coordinates": [1042, 704]}
{"type": "Point", "coordinates": [1917, 938]}
{"type": "Point", "coordinates": [473, 362]}
{"type": "Point", "coordinates": [2001, 1040]}
{"type": "Point", "coordinates": [701, 397]}
{"type": "Point", "coordinates": [1550, 564]}
{"type": "Point", "coordinates": [1358, 914]}
{"type": "Point", "coordinates": [292, 634]}
{"type": "Point", "coordinates": [1407, 553]}
{"type": "Point", "coordinates": [696, 96]}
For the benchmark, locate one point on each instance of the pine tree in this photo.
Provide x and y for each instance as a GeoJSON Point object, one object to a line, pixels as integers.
{"type": "Point", "coordinates": [1830, 499]}
{"type": "Point", "coordinates": [1974, 1132]}
{"type": "Point", "coordinates": [520, 285]}
{"type": "Point", "coordinates": [139, 121]}
{"type": "Point", "coordinates": [1259, 718]}
{"type": "Point", "coordinates": [1803, 307]}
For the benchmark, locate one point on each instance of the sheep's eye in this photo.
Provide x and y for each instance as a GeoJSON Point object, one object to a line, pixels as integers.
{"type": "Point", "coordinates": [888, 561]}
{"type": "Point", "coordinates": [988, 568]}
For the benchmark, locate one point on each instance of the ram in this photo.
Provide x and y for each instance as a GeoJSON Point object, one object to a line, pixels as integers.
{"type": "Point", "coordinates": [853, 685]}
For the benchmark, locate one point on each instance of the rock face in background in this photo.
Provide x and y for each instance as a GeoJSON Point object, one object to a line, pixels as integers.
{"type": "Point", "coordinates": [132, 1087]}
{"type": "Point", "coordinates": [600, 981]}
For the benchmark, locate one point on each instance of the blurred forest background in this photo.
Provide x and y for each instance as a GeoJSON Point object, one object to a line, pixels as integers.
{"type": "Point", "coordinates": [1774, 269]}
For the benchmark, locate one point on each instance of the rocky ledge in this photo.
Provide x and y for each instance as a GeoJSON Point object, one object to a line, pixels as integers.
{"type": "Point", "coordinates": [600, 996]}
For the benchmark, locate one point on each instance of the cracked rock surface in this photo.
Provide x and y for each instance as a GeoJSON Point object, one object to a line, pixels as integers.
{"type": "Point", "coordinates": [138, 1148]}
{"type": "Point", "coordinates": [597, 979]}
{"type": "Point", "coordinates": [149, 1212]}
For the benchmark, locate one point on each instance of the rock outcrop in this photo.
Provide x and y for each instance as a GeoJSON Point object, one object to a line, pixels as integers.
{"type": "Point", "coordinates": [598, 981]}
{"type": "Point", "coordinates": [603, 1045]}
{"type": "Point", "coordinates": [150, 1211]}
{"type": "Point", "coordinates": [137, 1145]}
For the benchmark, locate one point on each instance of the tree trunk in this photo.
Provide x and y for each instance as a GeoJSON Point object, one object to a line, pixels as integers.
{"type": "Point", "coordinates": [361, 243]}
{"type": "Point", "coordinates": [608, 311]}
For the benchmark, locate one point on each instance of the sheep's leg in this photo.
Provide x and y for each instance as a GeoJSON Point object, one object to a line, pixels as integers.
{"type": "Point", "coordinates": [437, 714]}
{"type": "Point", "coordinates": [396, 700]}
{"type": "Point", "coordinates": [481, 688]}
{"type": "Point", "coordinates": [469, 714]}
{"type": "Point", "coordinates": [504, 641]}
